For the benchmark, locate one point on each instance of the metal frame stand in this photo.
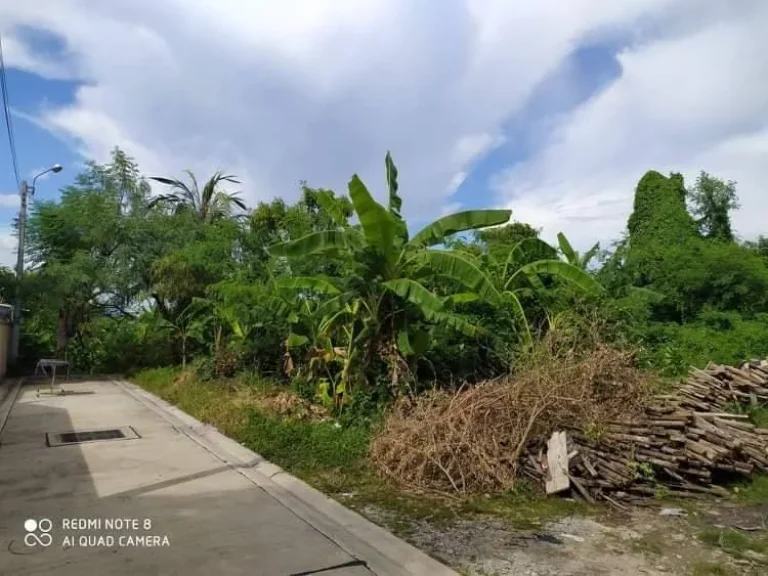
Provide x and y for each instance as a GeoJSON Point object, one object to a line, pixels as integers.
{"type": "Point", "coordinates": [44, 363]}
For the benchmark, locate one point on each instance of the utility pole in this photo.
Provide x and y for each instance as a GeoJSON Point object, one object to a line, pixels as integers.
{"type": "Point", "coordinates": [16, 328]}
{"type": "Point", "coordinates": [24, 191]}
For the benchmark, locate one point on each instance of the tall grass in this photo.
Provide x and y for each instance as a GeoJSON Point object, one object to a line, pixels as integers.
{"type": "Point", "coordinates": [236, 408]}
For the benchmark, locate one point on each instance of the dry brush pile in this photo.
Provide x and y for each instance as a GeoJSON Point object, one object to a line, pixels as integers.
{"type": "Point", "coordinates": [623, 441]}
{"type": "Point", "coordinates": [474, 440]}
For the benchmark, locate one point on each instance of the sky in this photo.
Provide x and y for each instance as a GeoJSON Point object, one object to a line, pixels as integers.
{"type": "Point", "coordinates": [552, 108]}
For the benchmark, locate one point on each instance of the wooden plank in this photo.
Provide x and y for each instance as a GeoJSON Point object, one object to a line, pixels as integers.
{"type": "Point", "coordinates": [581, 489]}
{"type": "Point", "coordinates": [557, 458]}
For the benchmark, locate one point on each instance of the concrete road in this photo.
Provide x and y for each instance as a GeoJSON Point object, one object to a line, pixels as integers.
{"type": "Point", "coordinates": [175, 500]}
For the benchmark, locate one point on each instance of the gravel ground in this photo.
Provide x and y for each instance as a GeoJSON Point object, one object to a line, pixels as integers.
{"type": "Point", "coordinates": [642, 543]}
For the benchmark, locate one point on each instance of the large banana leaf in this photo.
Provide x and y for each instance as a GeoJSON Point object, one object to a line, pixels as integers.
{"type": "Point", "coordinates": [566, 248]}
{"type": "Point", "coordinates": [519, 313]}
{"type": "Point", "coordinates": [457, 323]}
{"type": "Point", "coordinates": [412, 341]}
{"type": "Point", "coordinates": [275, 305]}
{"type": "Point", "coordinates": [316, 242]}
{"type": "Point", "coordinates": [436, 232]}
{"type": "Point", "coordinates": [395, 202]}
{"type": "Point", "coordinates": [651, 295]}
{"type": "Point", "coordinates": [404, 343]}
{"type": "Point", "coordinates": [462, 270]}
{"type": "Point", "coordinates": [328, 203]}
{"type": "Point", "coordinates": [528, 250]}
{"type": "Point", "coordinates": [313, 283]}
{"type": "Point", "coordinates": [460, 298]}
{"type": "Point", "coordinates": [330, 321]}
{"type": "Point", "coordinates": [378, 224]}
{"type": "Point", "coordinates": [416, 294]}
{"type": "Point", "coordinates": [564, 271]}
{"type": "Point", "coordinates": [431, 306]}
{"type": "Point", "coordinates": [330, 306]}
{"type": "Point", "coordinates": [295, 340]}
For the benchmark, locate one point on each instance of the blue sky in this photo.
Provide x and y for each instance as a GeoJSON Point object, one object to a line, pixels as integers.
{"type": "Point", "coordinates": [36, 147]}
{"type": "Point", "coordinates": [553, 109]}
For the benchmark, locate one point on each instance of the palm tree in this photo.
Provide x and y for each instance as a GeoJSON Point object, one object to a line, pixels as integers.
{"type": "Point", "coordinates": [208, 204]}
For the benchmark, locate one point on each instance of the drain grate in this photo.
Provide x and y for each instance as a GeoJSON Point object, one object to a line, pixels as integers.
{"type": "Point", "coordinates": [64, 438]}
{"type": "Point", "coordinates": [77, 437]}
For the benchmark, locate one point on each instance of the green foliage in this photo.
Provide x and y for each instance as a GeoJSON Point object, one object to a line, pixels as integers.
{"type": "Point", "coordinates": [659, 215]}
{"type": "Point", "coordinates": [383, 290]}
{"type": "Point", "coordinates": [333, 292]}
{"type": "Point", "coordinates": [305, 447]}
{"type": "Point", "coordinates": [712, 200]}
{"type": "Point", "coordinates": [209, 204]}
{"type": "Point", "coordinates": [686, 298]}
{"type": "Point", "coordinates": [446, 226]}
{"type": "Point", "coordinates": [722, 337]}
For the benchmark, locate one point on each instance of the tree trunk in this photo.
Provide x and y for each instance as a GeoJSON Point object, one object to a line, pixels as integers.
{"type": "Point", "coordinates": [62, 333]}
{"type": "Point", "coordinates": [183, 352]}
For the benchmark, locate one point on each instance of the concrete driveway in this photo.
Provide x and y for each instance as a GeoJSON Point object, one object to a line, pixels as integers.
{"type": "Point", "coordinates": [173, 496]}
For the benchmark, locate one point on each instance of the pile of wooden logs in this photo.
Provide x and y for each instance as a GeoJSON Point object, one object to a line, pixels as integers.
{"type": "Point", "coordinates": [680, 444]}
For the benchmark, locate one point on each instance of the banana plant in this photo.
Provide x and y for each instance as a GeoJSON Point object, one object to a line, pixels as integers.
{"type": "Point", "coordinates": [387, 266]}
{"type": "Point", "coordinates": [572, 256]}
{"type": "Point", "coordinates": [521, 274]}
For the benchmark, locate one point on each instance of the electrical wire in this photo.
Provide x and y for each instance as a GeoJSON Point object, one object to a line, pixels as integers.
{"type": "Point", "coordinates": [7, 113]}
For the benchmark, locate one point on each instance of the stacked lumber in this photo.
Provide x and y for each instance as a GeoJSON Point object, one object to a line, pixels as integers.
{"type": "Point", "coordinates": [681, 443]}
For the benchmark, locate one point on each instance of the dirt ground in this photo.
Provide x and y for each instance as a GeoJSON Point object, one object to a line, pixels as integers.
{"type": "Point", "coordinates": [717, 539]}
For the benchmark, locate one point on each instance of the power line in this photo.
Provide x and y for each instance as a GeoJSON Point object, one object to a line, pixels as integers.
{"type": "Point", "coordinates": [7, 112]}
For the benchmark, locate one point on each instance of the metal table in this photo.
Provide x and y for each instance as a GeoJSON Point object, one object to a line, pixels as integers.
{"type": "Point", "coordinates": [50, 364]}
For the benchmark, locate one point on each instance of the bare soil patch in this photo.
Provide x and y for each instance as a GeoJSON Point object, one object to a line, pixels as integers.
{"type": "Point", "coordinates": [640, 542]}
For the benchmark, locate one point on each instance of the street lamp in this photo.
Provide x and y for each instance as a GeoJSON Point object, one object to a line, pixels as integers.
{"type": "Point", "coordinates": [55, 169]}
{"type": "Point", "coordinates": [24, 190]}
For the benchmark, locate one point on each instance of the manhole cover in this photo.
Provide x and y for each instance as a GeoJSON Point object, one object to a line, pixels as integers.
{"type": "Point", "coordinates": [81, 437]}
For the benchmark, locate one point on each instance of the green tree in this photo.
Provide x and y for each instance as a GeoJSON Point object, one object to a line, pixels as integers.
{"type": "Point", "coordinates": [206, 256]}
{"type": "Point", "coordinates": [277, 222]}
{"type": "Point", "coordinates": [712, 199]}
{"type": "Point", "coordinates": [77, 250]}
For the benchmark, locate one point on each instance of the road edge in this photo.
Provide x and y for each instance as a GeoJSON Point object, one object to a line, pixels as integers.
{"type": "Point", "coordinates": [7, 400]}
{"type": "Point", "coordinates": [383, 552]}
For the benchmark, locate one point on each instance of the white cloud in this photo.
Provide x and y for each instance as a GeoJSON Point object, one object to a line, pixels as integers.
{"type": "Point", "coordinates": [304, 89]}
{"type": "Point", "coordinates": [9, 201]}
{"type": "Point", "coordinates": [277, 92]}
{"type": "Point", "coordinates": [8, 245]}
{"type": "Point", "coordinates": [456, 181]}
{"type": "Point", "coordinates": [17, 53]}
{"type": "Point", "coordinates": [685, 103]}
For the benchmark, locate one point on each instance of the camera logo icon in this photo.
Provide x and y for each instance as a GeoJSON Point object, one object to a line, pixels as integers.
{"type": "Point", "coordinates": [38, 532]}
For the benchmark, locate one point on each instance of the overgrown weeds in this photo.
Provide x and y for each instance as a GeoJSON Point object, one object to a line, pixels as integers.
{"type": "Point", "coordinates": [471, 441]}
{"type": "Point", "coordinates": [290, 431]}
